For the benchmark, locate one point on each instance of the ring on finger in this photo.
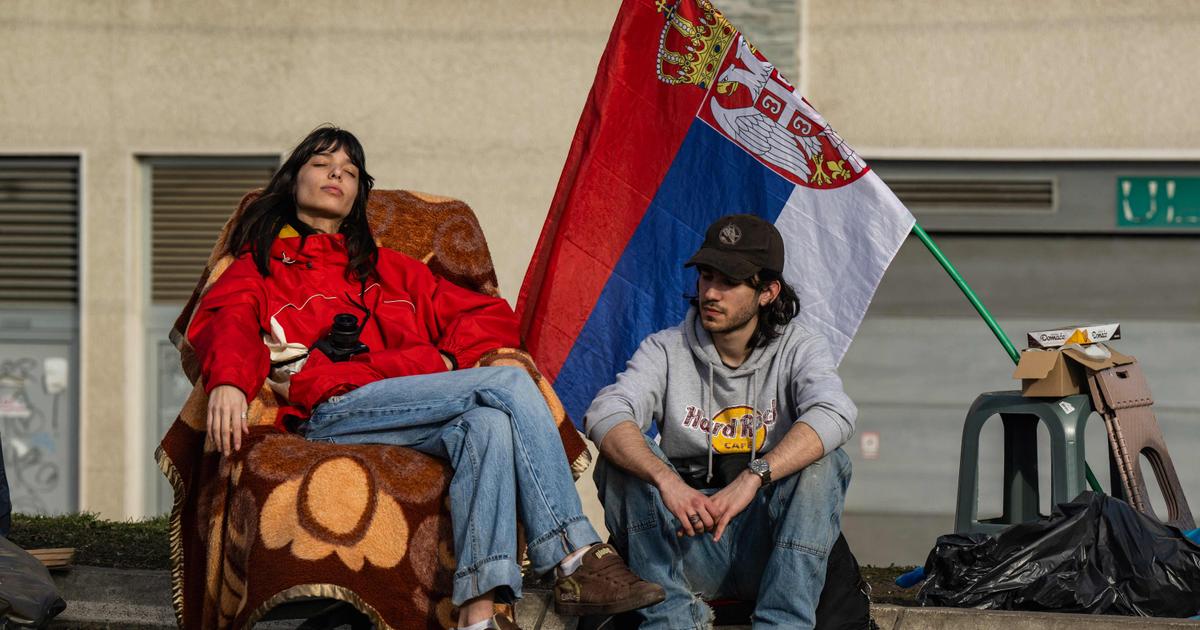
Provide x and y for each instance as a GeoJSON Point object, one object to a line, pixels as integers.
{"type": "Point", "coordinates": [694, 518]}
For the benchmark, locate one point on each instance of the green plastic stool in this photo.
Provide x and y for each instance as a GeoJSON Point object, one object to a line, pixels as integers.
{"type": "Point", "coordinates": [1065, 419]}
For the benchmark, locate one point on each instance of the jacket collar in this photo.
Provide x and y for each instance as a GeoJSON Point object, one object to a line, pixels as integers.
{"type": "Point", "coordinates": [325, 249]}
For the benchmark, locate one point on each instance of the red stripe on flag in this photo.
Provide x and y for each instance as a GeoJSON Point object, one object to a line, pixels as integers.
{"type": "Point", "coordinates": [630, 129]}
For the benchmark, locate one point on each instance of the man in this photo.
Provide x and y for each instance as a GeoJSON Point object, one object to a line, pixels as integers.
{"type": "Point", "coordinates": [743, 495]}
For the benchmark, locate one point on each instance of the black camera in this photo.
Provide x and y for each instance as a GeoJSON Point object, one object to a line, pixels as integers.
{"type": "Point", "coordinates": [342, 342]}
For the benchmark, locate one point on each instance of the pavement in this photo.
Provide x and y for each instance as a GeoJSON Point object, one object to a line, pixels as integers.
{"type": "Point", "coordinates": [141, 600]}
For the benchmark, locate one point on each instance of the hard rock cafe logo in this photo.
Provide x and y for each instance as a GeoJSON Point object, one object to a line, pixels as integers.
{"type": "Point", "coordinates": [751, 103]}
{"type": "Point", "coordinates": [730, 234]}
{"type": "Point", "coordinates": [730, 430]}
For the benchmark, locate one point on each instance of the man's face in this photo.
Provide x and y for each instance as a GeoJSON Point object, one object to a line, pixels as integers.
{"type": "Point", "coordinates": [727, 305]}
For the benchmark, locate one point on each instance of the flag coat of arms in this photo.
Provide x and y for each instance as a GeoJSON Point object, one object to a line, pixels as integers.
{"type": "Point", "coordinates": [686, 122]}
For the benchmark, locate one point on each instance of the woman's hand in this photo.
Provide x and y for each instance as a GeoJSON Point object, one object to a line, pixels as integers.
{"type": "Point", "coordinates": [227, 418]}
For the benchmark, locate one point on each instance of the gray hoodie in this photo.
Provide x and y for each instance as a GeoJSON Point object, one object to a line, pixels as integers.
{"type": "Point", "coordinates": [676, 379]}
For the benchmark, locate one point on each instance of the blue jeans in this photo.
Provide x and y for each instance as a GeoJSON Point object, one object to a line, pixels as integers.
{"type": "Point", "coordinates": [774, 553]}
{"type": "Point", "coordinates": [494, 428]}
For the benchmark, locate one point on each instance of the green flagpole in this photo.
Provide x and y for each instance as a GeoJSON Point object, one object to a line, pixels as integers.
{"type": "Point", "coordinates": [987, 318]}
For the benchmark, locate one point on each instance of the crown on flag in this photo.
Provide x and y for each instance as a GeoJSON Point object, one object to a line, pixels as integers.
{"type": "Point", "coordinates": [690, 50]}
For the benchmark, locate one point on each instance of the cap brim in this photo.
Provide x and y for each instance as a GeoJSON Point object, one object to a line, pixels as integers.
{"type": "Point", "coordinates": [727, 263]}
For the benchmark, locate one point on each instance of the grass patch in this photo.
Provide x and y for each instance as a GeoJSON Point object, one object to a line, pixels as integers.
{"type": "Point", "coordinates": [98, 542]}
{"type": "Point", "coordinates": [883, 585]}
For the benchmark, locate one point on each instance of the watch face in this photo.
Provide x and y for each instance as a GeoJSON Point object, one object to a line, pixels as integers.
{"type": "Point", "coordinates": [759, 466]}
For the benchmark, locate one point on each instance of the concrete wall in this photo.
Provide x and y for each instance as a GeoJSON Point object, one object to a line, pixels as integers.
{"type": "Point", "coordinates": [977, 75]}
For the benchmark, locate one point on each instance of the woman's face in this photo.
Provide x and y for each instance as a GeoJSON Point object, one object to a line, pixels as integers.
{"type": "Point", "coordinates": [326, 187]}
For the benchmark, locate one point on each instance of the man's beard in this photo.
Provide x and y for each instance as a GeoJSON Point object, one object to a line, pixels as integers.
{"type": "Point", "coordinates": [735, 320]}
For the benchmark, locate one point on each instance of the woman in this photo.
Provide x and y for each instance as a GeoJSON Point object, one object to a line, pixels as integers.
{"type": "Point", "coordinates": [305, 254]}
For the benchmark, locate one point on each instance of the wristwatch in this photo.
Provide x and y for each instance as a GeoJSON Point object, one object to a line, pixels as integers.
{"type": "Point", "coordinates": [761, 468]}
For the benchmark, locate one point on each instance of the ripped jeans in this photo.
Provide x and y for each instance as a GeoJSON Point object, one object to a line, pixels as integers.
{"type": "Point", "coordinates": [494, 428]}
{"type": "Point", "coordinates": [774, 553]}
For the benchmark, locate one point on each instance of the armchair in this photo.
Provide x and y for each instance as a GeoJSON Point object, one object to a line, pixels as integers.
{"type": "Point", "coordinates": [287, 520]}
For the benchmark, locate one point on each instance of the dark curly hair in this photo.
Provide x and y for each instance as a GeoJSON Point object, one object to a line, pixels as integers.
{"type": "Point", "coordinates": [772, 317]}
{"type": "Point", "coordinates": [275, 208]}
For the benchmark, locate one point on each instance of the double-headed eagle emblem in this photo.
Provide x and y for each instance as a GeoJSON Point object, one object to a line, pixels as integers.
{"type": "Point", "coordinates": [773, 122]}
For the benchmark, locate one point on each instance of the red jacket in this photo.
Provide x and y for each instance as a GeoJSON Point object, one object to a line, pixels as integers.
{"type": "Point", "coordinates": [415, 317]}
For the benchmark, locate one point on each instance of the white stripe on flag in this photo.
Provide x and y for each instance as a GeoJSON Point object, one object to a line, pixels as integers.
{"type": "Point", "coordinates": [839, 241]}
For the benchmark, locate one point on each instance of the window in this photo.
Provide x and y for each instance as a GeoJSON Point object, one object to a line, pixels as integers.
{"type": "Point", "coordinates": [190, 201]}
{"type": "Point", "coordinates": [39, 230]}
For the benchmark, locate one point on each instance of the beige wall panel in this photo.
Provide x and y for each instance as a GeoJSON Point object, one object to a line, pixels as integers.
{"type": "Point", "coordinates": [476, 100]}
{"type": "Point", "coordinates": [107, 294]}
{"type": "Point", "coordinates": [1026, 74]}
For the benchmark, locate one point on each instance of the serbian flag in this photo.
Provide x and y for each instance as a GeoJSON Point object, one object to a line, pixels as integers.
{"type": "Point", "coordinates": [686, 122]}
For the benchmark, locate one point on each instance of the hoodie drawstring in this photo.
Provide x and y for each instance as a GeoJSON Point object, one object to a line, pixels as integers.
{"type": "Point", "coordinates": [756, 417]}
{"type": "Point", "coordinates": [712, 422]}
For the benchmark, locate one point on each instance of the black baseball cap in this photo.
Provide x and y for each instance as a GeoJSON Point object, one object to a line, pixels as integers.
{"type": "Point", "coordinates": [739, 246]}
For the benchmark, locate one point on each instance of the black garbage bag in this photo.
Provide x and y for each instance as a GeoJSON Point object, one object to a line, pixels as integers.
{"type": "Point", "coordinates": [1095, 554]}
{"type": "Point", "coordinates": [28, 597]}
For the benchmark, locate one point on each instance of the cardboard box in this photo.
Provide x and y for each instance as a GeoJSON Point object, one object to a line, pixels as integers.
{"type": "Point", "coordinates": [1076, 334]}
{"type": "Point", "coordinates": [1061, 372]}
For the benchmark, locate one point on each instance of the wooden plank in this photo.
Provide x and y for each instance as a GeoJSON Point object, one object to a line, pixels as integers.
{"type": "Point", "coordinates": [54, 558]}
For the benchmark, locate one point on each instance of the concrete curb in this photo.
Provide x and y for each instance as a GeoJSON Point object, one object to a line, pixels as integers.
{"type": "Point", "coordinates": [114, 598]}
{"type": "Point", "coordinates": [85, 614]}
{"type": "Point", "coordinates": [141, 600]}
{"type": "Point", "coordinates": [906, 618]}
{"type": "Point", "coordinates": [128, 586]}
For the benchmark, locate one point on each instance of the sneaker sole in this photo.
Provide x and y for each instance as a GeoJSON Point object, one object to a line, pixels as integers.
{"type": "Point", "coordinates": [579, 609]}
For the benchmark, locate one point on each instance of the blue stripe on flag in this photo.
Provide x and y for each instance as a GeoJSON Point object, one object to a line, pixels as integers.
{"type": "Point", "coordinates": [709, 178]}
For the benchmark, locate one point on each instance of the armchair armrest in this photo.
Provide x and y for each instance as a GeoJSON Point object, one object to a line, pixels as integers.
{"type": "Point", "coordinates": [574, 445]}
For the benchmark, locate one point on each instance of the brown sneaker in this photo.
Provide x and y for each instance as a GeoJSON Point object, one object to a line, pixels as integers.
{"type": "Point", "coordinates": [603, 585]}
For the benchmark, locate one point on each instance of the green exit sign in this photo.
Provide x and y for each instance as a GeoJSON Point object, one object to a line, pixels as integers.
{"type": "Point", "coordinates": [1158, 202]}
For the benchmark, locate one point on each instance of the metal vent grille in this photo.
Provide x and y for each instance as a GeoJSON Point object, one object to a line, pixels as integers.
{"type": "Point", "coordinates": [190, 203]}
{"type": "Point", "coordinates": [39, 230]}
{"type": "Point", "coordinates": [975, 195]}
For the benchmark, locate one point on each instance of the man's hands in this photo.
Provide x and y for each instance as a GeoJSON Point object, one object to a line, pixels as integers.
{"type": "Point", "coordinates": [733, 498]}
{"type": "Point", "coordinates": [626, 448]}
{"type": "Point", "coordinates": [227, 418]}
{"type": "Point", "coordinates": [695, 510]}
{"type": "Point", "coordinates": [700, 513]}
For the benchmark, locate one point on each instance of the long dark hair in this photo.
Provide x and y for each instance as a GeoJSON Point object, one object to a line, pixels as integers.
{"type": "Point", "coordinates": [275, 208]}
{"type": "Point", "coordinates": [772, 317]}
